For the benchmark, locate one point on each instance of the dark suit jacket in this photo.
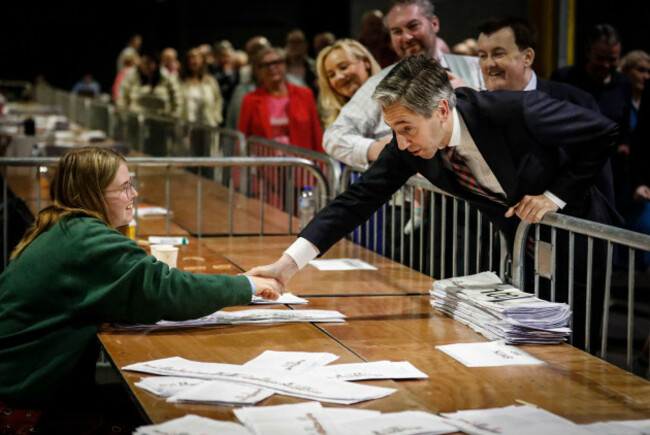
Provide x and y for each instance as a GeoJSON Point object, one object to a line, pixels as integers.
{"type": "Point", "coordinates": [567, 92]}
{"type": "Point", "coordinates": [519, 135]}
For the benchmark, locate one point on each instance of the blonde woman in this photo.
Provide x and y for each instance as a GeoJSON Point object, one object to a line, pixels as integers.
{"type": "Point", "coordinates": [200, 95]}
{"type": "Point", "coordinates": [342, 68]}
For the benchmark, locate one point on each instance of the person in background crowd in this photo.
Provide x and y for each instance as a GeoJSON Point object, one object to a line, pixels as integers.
{"type": "Point", "coordinates": [636, 66]}
{"type": "Point", "coordinates": [467, 47]}
{"type": "Point", "coordinates": [145, 89]}
{"type": "Point", "coordinates": [247, 80]}
{"type": "Point", "coordinates": [506, 53]}
{"type": "Point", "coordinates": [77, 258]}
{"type": "Point", "coordinates": [226, 73]}
{"type": "Point", "coordinates": [132, 48]}
{"type": "Point", "coordinates": [373, 35]}
{"type": "Point", "coordinates": [169, 62]}
{"type": "Point", "coordinates": [239, 59]}
{"type": "Point", "coordinates": [279, 110]}
{"type": "Point", "coordinates": [359, 133]}
{"type": "Point", "coordinates": [322, 40]}
{"type": "Point", "coordinates": [612, 91]}
{"type": "Point", "coordinates": [130, 60]}
{"type": "Point", "coordinates": [199, 91]}
{"type": "Point", "coordinates": [87, 86]}
{"type": "Point", "coordinates": [208, 55]}
{"type": "Point", "coordinates": [637, 210]}
{"type": "Point", "coordinates": [342, 68]}
{"type": "Point", "coordinates": [299, 65]}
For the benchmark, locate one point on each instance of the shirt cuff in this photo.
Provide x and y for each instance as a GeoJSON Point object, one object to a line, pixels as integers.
{"type": "Point", "coordinates": [360, 151]}
{"type": "Point", "coordinates": [252, 284]}
{"type": "Point", "coordinates": [302, 251]}
{"type": "Point", "coordinates": [561, 204]}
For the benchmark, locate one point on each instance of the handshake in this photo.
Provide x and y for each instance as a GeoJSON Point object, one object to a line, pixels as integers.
{"type": "Point", "coordinates": [271, 279]}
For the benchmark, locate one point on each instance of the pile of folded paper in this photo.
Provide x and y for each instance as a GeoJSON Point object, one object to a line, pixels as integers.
{"type": "Point", "coordinates": [500, 311]}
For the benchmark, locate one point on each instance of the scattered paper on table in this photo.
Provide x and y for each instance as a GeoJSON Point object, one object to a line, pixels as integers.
{"type": "Point", "coordinates": [489, 354]}
{"type": "Point", "coordinates": [222, 393]}
{"type": "Point", "coordinates": [159, 240]}
{"type": "Point", "coordinates": [151, 211]}
{"type": "Point", "coordinates": [285, 298]}
{"type": "Point", "coordinates": [301, 385]}
{"type": "Point", "coordinates": [626, 427]}
{"type": "Point", "coordinates": [512, 420]}
{"type": "Point", "coordinates": [370, 370]}
{"type": "Point", "coordinates": [166, 386]}
{"type": "Point", "coordinates": [295, 362]}
{"type": "Point", "coordinates": [193, 425]}
{"type": "Point", "coordinates": [342, 264]}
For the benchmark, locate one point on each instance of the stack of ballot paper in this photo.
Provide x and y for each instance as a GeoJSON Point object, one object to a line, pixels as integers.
{"type": "Point", "coordinates": [500, 311]}
{"type": "Point", "coordinates": [253, 316]}
{"type": "Point", "coordinates": [297, 374]}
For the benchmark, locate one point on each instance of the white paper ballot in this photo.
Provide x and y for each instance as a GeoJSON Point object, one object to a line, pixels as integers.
{"type": "Point", "coordinates": [193, 425]}
{"type": "Point", "coordinates": [166, 386]}
{"type": "Point", "coordinates": [512, 420]}
{"type": "Point", "coordinates": [370, 370]}
{"type": "Point", "coordinates": [152, 211]}
{"type": "Point", "coordinates": [402, 423]}
{"type": "Point", "coordinates": [159, 240]}
{"type": "Point", "coordinates": [489, 354]}
{"type": "Point", "coordinates": [222, 393]}
{"type": "Point", "coordinates": [342, 264]}
{"type": "Point", "coordinates": [294, 362]}
{"type": "Point", "coordinates": [627, 427]}
{"type": "Point", "coordinates": [253, 317]}
{"type": "Point", "coordinates": [296, 385]}
{"type": "Point", "coordinates": [285, 298]}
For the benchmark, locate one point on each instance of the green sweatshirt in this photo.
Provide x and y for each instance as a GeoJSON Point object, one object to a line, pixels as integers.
{"type": "Point", "coordinates": [76, 276]}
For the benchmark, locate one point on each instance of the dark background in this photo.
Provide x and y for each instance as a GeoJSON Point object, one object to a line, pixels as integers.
{"type": "Point", "coordinates": [64, 40]}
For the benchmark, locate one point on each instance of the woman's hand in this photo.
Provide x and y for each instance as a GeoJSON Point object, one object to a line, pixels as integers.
{"type": "Point", "coordinates": [267, 288]}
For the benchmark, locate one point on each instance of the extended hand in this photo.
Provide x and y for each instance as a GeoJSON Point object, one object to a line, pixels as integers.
{"type": "Point", "coordinates": [268, 288]}
{"type": "Point", "coordinates": [377, 146]}
{"type": "Point", "coordinates": [531, 209]}
{"type": "Point", "coordinates": [642, 193]}
{"type": "Point", "coordinates": [282, 270]}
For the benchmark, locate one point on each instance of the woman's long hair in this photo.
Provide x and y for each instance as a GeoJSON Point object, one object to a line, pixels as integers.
{"type": "Point", "coordinates": [330, 100]}
{"type": "Point", "coordinates": [77, 188]}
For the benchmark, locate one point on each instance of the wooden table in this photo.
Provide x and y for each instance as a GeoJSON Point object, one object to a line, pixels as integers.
{"type": "Point", "coordinates": [381, 325]}
{"type": "Point", "coordinates": [390, 278]}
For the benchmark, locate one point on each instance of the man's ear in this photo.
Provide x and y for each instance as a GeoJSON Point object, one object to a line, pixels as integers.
{"type": "Point", "coordinates": [436, 24]}
{"type": "Point", "coordinates": [443, 110]}
{"type": "Point", "coordinates": [529, 57]}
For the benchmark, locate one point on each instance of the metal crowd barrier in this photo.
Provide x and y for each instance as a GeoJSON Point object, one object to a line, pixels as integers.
{"type": "Point", "coordinates": [453, 238]}
{"type": "Point", "coordinates": [598, 237]}
{"type": "Point", "coordinates": [176, 164]}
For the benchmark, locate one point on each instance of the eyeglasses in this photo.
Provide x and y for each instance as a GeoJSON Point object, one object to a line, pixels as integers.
{"type": "Point", "coordinates": [271, 63]}
{"type": "Point", "coordinates": [128, 189]}
{"type": "Point", "coordinates": [642, 70]}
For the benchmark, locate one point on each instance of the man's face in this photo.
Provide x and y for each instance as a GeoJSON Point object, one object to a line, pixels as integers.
{"type": "Point", "coordinates": [602, 60]}
{"type": "Point", "coordinates": [503, 65]}
{"type": "Point", "coordinates": [421, 136]}
{"type": "Point", "coordinates": [411, 32]}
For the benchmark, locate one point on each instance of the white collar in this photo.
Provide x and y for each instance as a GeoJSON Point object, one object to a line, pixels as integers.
{"type": "Point", "coordinates": [532, 83]}
{"type": "Point", "coordinates": [455, 130]}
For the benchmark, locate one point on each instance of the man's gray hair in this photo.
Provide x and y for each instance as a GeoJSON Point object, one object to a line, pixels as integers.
{"type": "Point", "coordinates": [425, 6]}
{"type": "Point", "coordinates": [417, 82]}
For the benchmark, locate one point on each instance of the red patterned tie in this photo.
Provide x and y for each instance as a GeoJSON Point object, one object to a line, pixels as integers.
{"type": "Point", "coordinates": [466, 178]}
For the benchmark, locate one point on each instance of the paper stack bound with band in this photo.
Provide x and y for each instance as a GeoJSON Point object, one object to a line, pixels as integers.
{"type": "Point", "coordinates": [500, 311]}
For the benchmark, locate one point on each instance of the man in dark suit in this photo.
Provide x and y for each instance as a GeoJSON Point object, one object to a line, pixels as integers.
{"type": "Point", "coordinates": [506, 53]}
{"type": "Point", "coordinates": [499, 150]}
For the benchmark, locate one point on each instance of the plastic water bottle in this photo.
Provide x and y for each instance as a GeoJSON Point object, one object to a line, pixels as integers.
{"type": "Point", "coordinates": [306, 207]}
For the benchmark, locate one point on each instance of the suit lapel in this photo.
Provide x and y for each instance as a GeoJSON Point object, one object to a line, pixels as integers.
{"type": "Point", "coordinates": [493, 146]}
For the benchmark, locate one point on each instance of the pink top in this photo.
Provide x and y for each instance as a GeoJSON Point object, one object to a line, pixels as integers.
{"type": "Point", "coordinates": [279, 117]}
